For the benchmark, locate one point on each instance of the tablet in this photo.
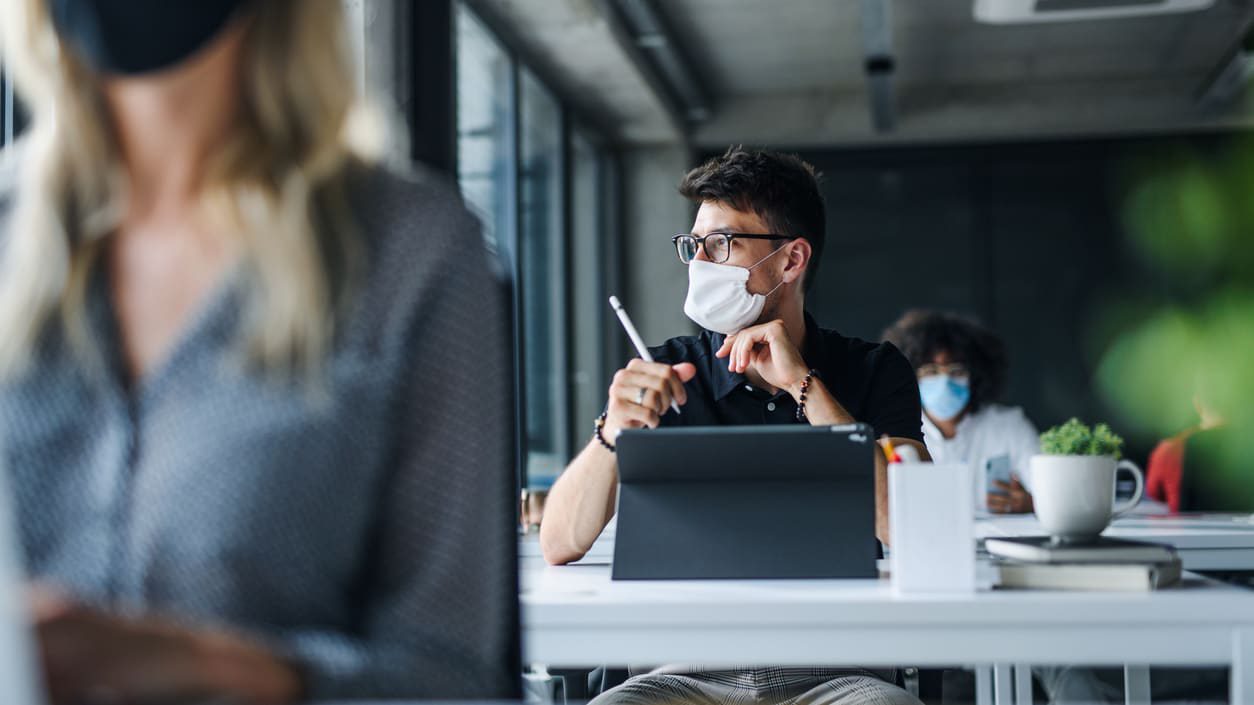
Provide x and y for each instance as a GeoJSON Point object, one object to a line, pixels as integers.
{"type": "Point", "coordinates": [774, 501]}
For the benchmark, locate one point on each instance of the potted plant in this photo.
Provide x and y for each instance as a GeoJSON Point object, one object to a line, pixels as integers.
{"type": "Point", "coordinates": [1073, 480]}
{"type": "Point", "coordinates": [1075, 438]}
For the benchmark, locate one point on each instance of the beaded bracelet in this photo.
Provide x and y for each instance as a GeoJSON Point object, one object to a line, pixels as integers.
{"type": "Point", "coordinates": [597, 426]}
{"type": "Point", "coordinates": [801, 400]}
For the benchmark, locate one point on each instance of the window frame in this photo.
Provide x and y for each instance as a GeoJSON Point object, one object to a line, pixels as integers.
{"type": "Point", "coordinates": [572, 429]}
{"type": "Point", "coordinates": [8, 117]}
{"type": "Point", "coordinates": [559, 416]}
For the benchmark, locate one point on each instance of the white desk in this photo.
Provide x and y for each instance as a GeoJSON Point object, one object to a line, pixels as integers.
{"type": "Point", "coordinates": [1207, 542]}
{"type": "Point", "coordinates": [575, 615]}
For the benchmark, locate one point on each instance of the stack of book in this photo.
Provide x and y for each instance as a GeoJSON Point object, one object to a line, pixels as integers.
{"type": "Point", "coordinates": [1105, 564]}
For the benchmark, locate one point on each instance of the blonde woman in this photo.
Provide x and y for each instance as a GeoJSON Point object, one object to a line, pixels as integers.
{"type": "Point", "coordinates": [251, 385]}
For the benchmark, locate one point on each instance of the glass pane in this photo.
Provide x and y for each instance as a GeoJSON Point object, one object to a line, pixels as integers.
{"type": "Point", "coordinates": [485, 151]}
{"type": "Point", "coordinates": [7, 128]}
{"type": "Point", "coordinates": [542, 275]}
{"type": "Point", "coordinates": [589, 308]}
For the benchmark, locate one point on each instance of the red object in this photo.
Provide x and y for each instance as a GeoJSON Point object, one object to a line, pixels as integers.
{"type": "Point", "coordinates": [1165, 472]}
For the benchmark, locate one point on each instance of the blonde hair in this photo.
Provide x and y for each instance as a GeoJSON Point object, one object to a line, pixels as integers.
{"type": "Point", "coordinates": [278, 184]}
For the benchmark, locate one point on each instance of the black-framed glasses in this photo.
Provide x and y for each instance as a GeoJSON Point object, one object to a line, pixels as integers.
{"type": "Point", "coordinates": [717, 245]}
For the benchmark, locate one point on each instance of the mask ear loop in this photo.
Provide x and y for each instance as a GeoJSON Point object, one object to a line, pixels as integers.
{"type": "Point", "coordinates": [781, 281]}
{"type": "Point", "coordinates": [773, 253]}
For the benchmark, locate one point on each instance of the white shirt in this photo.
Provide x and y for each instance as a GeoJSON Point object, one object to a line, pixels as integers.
{"type": "Point", "coordinates": [995, 433]}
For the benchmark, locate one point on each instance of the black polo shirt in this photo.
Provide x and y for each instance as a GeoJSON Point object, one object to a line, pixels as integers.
{"type": "Point", "coordinates": [873, 382]}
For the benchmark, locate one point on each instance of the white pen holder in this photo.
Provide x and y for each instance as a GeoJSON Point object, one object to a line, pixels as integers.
{"type": "Point", "coordinates": [932, 526]}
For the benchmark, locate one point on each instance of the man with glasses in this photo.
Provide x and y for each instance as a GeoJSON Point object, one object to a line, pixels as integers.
{"type": "Point", "coordinates": [751, 256]}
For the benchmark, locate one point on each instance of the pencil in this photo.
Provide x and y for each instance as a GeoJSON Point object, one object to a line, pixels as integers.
{"type": "Point", "coordinates": [889, 451]}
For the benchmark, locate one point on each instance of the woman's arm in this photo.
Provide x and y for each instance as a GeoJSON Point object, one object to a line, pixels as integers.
{"type": "Point", "coordinates": [87, 654]}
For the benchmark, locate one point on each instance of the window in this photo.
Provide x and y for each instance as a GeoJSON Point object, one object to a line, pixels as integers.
{"type": "Point", "coordinates": [590, 233]}
{"type": "Point", "coordinates": [8, 105]}
{"type": "Point", "coordinates": [514, 151]}
{"type": "Point", "coordinates": [13, 118]}
{"type": "Point", "coordinates": [542, 282]}
{"type": "Point", "coordinates": [485, 144]}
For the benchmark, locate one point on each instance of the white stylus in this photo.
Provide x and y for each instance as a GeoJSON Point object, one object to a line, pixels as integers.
{"type": "Point", "coordinates": [641, 350]}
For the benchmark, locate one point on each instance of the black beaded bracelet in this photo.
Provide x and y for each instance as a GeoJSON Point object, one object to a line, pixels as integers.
{"type": "Point", "coordinates": [801, 398]}
{"type": "Point", "coordinates": [597, 427]}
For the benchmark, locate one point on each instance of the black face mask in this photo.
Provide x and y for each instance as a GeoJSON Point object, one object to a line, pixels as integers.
{"type": "Point", "coordinates": [139, 36]}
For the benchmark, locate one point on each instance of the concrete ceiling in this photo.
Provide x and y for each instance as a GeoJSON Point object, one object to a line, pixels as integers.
{"type": "Point", "coordinates": [574, 46]}
{"type": "Point", "coordinates": [790, 72]}
{"type": "Point", "coordinates": [796, 76]}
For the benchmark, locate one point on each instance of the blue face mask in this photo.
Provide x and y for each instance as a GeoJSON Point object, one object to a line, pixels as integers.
{"type": "Point", "coordinates": [944, 397]}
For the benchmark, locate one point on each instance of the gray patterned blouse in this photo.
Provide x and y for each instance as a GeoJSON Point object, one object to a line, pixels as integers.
{"type": "Point", "coordinates": [366, 535]}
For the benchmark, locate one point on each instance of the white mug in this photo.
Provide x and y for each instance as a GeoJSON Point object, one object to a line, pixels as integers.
{"type": "Point", "coordinates": [1073, 494]}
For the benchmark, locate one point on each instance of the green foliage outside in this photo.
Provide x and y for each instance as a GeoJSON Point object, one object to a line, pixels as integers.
{"type": "Point", "coordinates": [1076, 438]}
{"type": "Point", "coordinates": [1191, 218]}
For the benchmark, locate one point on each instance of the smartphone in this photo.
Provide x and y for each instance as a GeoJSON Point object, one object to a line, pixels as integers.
{"type": "Point", "coordinates": [996, 468]}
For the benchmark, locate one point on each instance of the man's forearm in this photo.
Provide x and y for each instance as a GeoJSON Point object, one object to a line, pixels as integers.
{"type": "Point", "coordinates": [579, 505]}
{"type": "Point", "coordinates": [822, 409]}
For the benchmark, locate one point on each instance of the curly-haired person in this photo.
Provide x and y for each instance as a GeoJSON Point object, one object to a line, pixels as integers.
{"type": "Point", "coordinates": [961, 368]}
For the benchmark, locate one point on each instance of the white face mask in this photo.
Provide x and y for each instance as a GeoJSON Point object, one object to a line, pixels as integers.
{"type": "Point", "coordinates": [718, 298]}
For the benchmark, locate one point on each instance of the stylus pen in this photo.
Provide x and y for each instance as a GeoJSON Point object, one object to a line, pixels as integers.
{"type": "Point", "coordinates": [641, 350]}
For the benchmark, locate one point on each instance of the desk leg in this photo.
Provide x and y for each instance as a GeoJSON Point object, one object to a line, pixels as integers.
{"type": "Point", "coordinates": [1003, 687]}
{"type": "Point", "coordinates": [1241, 685]}
{"type": "Point", "coordinates": [983, 685]}
{"type": "Point", "coordinates": [1136, 684]}
{"type": "Point", "coordinates": [1023, 684]}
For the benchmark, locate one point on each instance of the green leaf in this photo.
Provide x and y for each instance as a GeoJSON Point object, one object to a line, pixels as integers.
{"type": "Point", "coordinates": [1075, 438]}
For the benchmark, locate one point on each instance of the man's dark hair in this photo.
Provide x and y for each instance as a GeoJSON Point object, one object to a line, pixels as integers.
{"type": "Point", "coordinates": [921, 335]}
{"type": "Point", "coordinates": [781, 189]}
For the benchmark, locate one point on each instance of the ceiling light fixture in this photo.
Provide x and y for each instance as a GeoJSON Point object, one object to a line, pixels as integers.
{"type": "Point", "coordinates": [1034, 11]}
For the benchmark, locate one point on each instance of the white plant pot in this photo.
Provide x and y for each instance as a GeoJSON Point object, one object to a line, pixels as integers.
{"type": "Point", "coordinates": [1074, 495]}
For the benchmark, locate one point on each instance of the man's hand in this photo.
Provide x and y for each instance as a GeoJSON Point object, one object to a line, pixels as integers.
{"type": "Point", "coordinates": [767, 349]}
{"type": "Point", "coordinates": [642, 392]}
{"type": "Point", "coordinates": [92, 656]}
{"type": "Point", "coordinates": [1012, 499]}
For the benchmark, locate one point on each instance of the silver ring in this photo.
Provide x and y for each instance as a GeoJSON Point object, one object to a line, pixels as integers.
{"type": "Point", "coordinates": [640, 397]}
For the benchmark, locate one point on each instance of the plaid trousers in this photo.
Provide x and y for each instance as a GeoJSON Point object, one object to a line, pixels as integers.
{"type": "Point", "coordinates": [759, 686]}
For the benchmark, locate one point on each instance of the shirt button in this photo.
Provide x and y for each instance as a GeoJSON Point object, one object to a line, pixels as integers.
{"type": "Point", "coordinates": [770, 406]}
{"type": "Point", "coordinates": [748, 387]}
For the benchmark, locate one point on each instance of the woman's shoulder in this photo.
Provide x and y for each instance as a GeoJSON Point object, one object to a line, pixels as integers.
{"type": "Point", "coordinates": [412, 199]}
{"type": "Point", "coordinates": [391, 178]}
{"type": "Point", "coordinates": [410, 216]}
{"type": "Point", "coordinates": [422, 246]}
